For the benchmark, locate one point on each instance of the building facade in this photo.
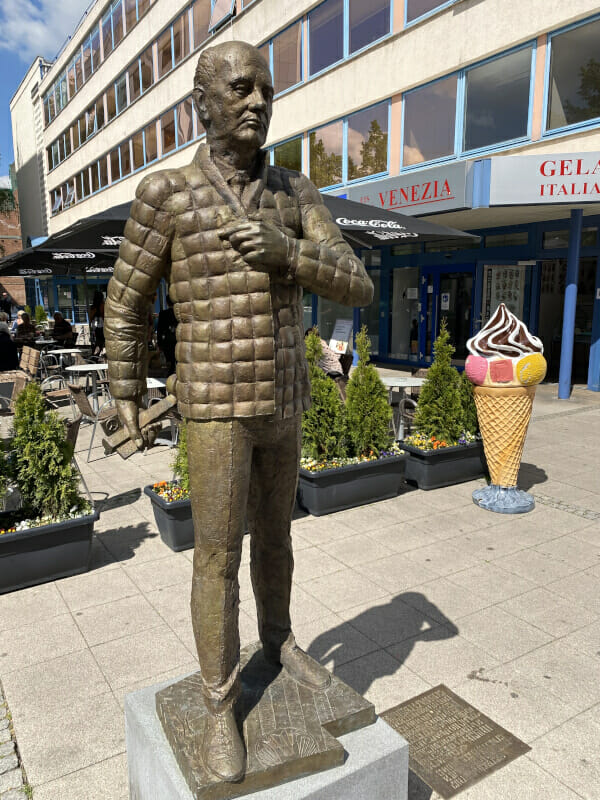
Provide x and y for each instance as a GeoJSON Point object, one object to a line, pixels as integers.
{"type": "Point", "coordinates": [480, 114]}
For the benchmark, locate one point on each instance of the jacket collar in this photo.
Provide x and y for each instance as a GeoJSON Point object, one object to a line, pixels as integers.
{"type": "Point", "coordinates": [203, 160]}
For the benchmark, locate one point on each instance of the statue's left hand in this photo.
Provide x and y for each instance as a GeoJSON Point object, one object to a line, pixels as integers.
{"type": "Point", "coordinates": [261, 244]}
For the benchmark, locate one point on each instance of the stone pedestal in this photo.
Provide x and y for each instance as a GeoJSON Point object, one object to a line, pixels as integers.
{"type": "Point", "coordinates": [290, 734]}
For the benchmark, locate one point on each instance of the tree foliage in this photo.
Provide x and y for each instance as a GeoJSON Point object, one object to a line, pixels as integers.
{"type": "Point", "coordinates": [439, 410]}
{"type": "Point", "coordinates": [40, 314]}
{"type": "Point", "coordinates": [367, 408]}
{"type": "Point", "coordinates": [589, 91]}
{"type": "Point", "coordinates": [324, 423]}
{"type": "Point", "coordinates": [180, 464]}
{"type": "Point", "coordinates": [467, 402]}
{"type": "Point", "coordinates": [373, 154]}
{"type": "Point", "coordinates": [325, 167]}
{"type": "Point", "coordinates": [45, 476]}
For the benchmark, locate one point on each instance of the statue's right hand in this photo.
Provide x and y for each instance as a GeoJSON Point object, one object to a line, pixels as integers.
{"type": "Point", "coordinates": [128, 411]}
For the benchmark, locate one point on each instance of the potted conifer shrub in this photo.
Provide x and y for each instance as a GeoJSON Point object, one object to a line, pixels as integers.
{"type": "Point", "coordinates": [349, 457]}
{"type": "Point", "coordinates": [445, 448]}
{"type": "Point", "coordinates": [171, 501]}
{"type": "Point", "coordinates": [49, 536]}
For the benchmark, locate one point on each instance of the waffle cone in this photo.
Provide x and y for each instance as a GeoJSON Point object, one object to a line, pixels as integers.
{"type": "Point", "coordinates": [504, 415]}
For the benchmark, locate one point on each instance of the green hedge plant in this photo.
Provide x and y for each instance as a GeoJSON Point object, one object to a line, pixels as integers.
{"type": "Point", "coordinates": [368, 411]}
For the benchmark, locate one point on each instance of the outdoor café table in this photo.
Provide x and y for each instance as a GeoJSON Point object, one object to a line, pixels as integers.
{"type": "Point", "coordinates": [93, 370]}
{"type": "Point", "coordinates": [65, 351]}
{"type": "Point", "coordinates": [399, 383]}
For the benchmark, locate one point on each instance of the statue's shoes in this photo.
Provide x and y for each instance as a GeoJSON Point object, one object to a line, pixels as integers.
{"type": "Point", "coordinates": [222, 749]}
{"type": "Point", "coordinates": [303, 668]}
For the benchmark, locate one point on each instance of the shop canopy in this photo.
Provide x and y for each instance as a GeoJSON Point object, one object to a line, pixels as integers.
{"type": "Point", "coordinates": [90, 246]}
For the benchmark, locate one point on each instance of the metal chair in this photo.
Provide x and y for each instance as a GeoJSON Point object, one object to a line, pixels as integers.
{"type": "Point", "coordinates": [106, 415]}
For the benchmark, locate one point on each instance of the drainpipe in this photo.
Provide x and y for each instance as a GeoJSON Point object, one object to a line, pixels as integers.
{"type": "Point", "coordinates": [594, 367]}
{"type": "Point", "coordinates": [568, 331]}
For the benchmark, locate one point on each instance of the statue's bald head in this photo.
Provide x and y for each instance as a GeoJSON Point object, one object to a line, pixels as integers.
{"type": "Point", "coordinates": [213, 58]}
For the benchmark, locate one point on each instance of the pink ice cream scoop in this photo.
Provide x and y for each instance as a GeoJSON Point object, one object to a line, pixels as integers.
{"type": "Point", "coordinates": [476, 368]}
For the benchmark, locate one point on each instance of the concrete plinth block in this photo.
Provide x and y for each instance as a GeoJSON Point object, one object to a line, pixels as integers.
{"type": "Point", "coordinates": [375, 762]}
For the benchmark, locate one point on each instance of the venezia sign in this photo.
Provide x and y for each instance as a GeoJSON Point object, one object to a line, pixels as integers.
{"type": "Point", "coordinates": [545, 178]}
{"type": "Point", "coordinates": [426, 191]}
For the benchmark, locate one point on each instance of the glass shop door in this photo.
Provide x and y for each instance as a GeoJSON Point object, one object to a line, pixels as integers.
{"type": "Point", "coordinates": [446, 294]}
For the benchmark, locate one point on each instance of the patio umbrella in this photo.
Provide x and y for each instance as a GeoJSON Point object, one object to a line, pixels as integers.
{"type": "Point", "coordinates": [91, 245]}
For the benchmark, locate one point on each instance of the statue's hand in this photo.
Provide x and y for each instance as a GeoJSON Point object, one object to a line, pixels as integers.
{"type": "Point", "coordinates": [128, 411]}
{"type": "Point", "coordinates": [261, 244]}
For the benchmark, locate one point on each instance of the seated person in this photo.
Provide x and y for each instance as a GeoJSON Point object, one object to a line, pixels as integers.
{"type": "Point", "coordinates": [9, 357]}
{"type": "Point", "coordinates": [25, 332]}
{"type": "Point", "coordinates": [333, 365]}
{"type": "Point", "coordinates": [62, 331]}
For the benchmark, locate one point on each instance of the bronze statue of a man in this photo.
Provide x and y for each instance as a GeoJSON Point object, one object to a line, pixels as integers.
{"type": "Point", "coordinates": [237, 241]}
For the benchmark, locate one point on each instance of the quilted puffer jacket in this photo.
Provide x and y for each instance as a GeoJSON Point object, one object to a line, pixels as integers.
{"type": "Point", "coordinates": [240, 338]}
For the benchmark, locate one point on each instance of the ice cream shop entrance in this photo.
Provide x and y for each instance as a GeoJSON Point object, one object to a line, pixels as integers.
{"type": "Point", "coordinates": [446, 293]}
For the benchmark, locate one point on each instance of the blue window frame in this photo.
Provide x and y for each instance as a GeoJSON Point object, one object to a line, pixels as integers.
{"type": "Point", "coordinates": [339, 28]}
{"type": "Point", "coordinates": [221, 11]}
{"type": "Point", "coordinates": [351, 149]}
{"type": "Point", "coordinates": [419, 9]}
{"type": "Point", "coordinates": [484, 107]}
{"type": "Point", "coordinates": [573, 78]}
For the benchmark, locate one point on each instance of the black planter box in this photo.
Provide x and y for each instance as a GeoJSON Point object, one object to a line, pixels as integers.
{"type": "Point", "coordinates": [173, 520]}
{"type": "Point", "coordinates": [345, 487]}
{"type": "Point", "coordinates": [432, 469]}
{"type": "Point", "coordinates": [46, 553]}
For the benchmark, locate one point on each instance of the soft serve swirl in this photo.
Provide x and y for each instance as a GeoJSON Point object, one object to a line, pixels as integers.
{"type": "Point", "coordinates": [504, 336]}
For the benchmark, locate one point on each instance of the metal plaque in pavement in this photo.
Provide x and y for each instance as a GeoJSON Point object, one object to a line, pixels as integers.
{"type": "Point", "coordinates": [452, 745]}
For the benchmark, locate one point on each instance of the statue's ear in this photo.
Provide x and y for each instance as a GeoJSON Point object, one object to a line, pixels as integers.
{"type": "Point", "coordinates": [200, 103]}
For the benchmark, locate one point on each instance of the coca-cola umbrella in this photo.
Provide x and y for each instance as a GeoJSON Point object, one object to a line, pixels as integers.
{"type": "Point", "coordinates": [90, 245]}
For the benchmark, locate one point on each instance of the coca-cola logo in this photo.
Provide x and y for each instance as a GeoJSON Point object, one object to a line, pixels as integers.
{"type": "Point", "coordinates": [63, 256]}
{"type": "Point", "coordinates": [112, 241]}
{"type": "Point", "coordinates": [371, 223]}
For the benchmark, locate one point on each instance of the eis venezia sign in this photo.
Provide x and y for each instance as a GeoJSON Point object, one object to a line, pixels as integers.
{"type": "Point", "coordinates": [546, 178]}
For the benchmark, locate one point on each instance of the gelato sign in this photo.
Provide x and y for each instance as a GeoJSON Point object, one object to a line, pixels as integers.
{"type": "Point", "coordinates": [424, 191]}
{"type": "Point", "coordinates": [545, 178]}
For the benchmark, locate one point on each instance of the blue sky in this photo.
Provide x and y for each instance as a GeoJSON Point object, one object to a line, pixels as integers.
{"type": "Point", "coordinates": [29, 28]}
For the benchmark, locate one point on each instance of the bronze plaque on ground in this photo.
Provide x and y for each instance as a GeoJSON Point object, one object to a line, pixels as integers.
{"type": "Point", "coordinates": [289, 730]}
{"type": "Point", "coordinates": [452, 745]}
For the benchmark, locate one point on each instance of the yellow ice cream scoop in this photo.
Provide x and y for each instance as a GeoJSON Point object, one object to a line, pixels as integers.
{"type": "Point", "coordinates": [531, 369]}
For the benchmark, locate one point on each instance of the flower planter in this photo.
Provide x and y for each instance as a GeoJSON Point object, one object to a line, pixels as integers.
{"type": "Point", "coordinates": [174, 521]}
{"type": "Point", "coordinates": [432, 469]}
{"type": "Point", "coordinates": [345, 487]}
{"type": "Point", "coordinates": [46, 553]}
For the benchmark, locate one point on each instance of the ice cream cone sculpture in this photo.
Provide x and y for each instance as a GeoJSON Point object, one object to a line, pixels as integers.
{"type": "Point", "coordinates": [505, 366]}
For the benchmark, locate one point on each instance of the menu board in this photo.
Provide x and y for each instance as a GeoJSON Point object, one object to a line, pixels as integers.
{"type": "Point", "coordinates": [340, 337]}
{"type": "Point", "coordinates": [503, 284]}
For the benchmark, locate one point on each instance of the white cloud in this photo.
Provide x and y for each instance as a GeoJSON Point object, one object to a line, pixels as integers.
{"type": "Point", "coordinates": [30, 28]}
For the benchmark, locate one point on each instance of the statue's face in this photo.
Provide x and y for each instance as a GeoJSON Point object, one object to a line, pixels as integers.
{"type": "Point", "coordinates": [239, 102]}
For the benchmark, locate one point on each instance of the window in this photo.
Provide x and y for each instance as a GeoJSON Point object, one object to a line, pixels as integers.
{"type": "Point", "coordinates": [103, 171]}
{"type": "Point", "coordinates": [91, 121]}
{"type": "Point", "coordinates": [147, 69]}
{"type": "Point", "coordinates": [130, 14]}
{"type": "Point", "coordinates": [221, 10]}
{"type": "Point", "coordinates": [516, 239]}
{"type": "Point", "coordinates": [326, 148]}
{"type": "Point", "coordinates": [165, 53]}
{"type": "Point", "coordinates": [574, 76]}
{"type": "Point", "coordinates": [107, 40]}
{"type": "Point", "coordinates": [115, 167]}
{"type": "Point", "coordinates": [429, 122]}
{"type": "Point", "coordinates": [185, 122]}
{"type": "Point", "coordinates": [143, 6]}
{"type": "Point", "coordinates": [418, 8]}
{"type": "Point", "coordinates": [369, 21]}
{"type": "Point", "coordinates": [125, 158]}
{"type": "Point", "coordinates": [87, 59]}
{"type": "Point", "coordinates": [287, 58]}
{"type": "Point", "coordinates": [56, 200]}
{"type": "Point", "coordinates": [111, 105]}
{"type": "Point", "coordinates": [69, 193]}
{"type": "Point", "coordinates": [133, 74]}
{"type": "Point", "coordinates": [368, 142]}
{"type": "Point", "coordinates": [71, 80]}
{"type": "Point", "coordinates": [82, 121]}
{"type": "Point", "coordinates": [99, 113]}
{"type": "Point", "coordinates": [138, 150]}
{"type": "Point", "coordinates": [95, 182]}
{"type": "Point", "coordinates": [289, 154]}
{"type": "Point", "coordinates": [67, 139]}
{"type": "Point", "coordinates": [78, 74]}
{"type": "Point", "coordinates": [167, 129]}
{"type": "Point", "coordinates": [150, 141]}
{"type": "Point", "coordinates": [82, 184]}
{"type": "Point", "coordinates": [117, 21]}
{"type": "Point", "coordinates": [181, 37]}
{"type": "Point", "coordinates": [497, 100]}
{"type": "Point", "coordinates": [95, 50]}
{"type": "Point", "coordinates": [326, 34]}
{"type": "Point", "coordinates": [75, 135]}
{"type": "Point", "coordinates": [121, 93]}
{"type": "Point", "coordinates": [201, 17]}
